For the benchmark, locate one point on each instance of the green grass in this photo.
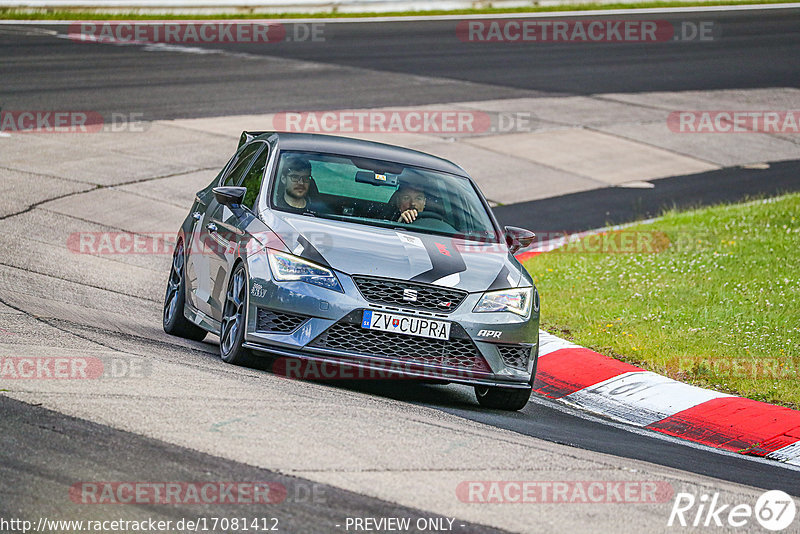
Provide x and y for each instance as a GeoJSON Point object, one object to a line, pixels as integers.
{"type": "Point", "coordinates": [716, 307]}
{"type": "Point", "coordinates": [8, 13]}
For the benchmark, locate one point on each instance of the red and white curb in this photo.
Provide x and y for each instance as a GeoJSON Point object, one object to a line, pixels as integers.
{"type": "Point", "coordinates": [623, 392]}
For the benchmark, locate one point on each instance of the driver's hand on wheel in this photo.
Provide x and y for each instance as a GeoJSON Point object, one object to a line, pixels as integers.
{"type": "Point", "coordinates": [408, 216]}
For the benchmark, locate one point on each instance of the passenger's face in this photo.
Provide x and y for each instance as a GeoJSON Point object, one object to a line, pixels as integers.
{"type": "Point", "coordinates": [410, 199]}
{"type": "Point", "coordinates": [297, 183]}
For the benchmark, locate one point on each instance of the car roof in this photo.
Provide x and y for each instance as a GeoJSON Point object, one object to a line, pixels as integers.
{"type": "Point", "coordinates": [348, 146]}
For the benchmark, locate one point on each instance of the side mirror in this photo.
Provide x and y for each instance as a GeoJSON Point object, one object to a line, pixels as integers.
{"type": "Point", "coordinates": [228, 196]}
{"type": "Point", "coordinates": [518, 238]}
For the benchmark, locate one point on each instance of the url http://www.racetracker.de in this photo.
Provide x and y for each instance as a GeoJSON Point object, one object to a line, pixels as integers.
{"type": "Point", "coordinates": [150, 525]}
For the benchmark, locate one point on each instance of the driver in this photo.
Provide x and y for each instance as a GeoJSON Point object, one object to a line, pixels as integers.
{"type": "Point", "coordinates": [409, 202]}
{"type": "Point", "coordinates": [294, 193]}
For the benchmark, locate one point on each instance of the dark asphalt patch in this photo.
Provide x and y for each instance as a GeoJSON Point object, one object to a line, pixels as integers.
{"type": "Point", "coordinates": [617, 205]}
{"type": "Point", "coordinates": [44, 453]}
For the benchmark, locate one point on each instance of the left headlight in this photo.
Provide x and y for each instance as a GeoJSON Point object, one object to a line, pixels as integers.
{"type": "Point", "coordinates": [286, 267]}
{"type": "Point", "coordinates": [516, 300]}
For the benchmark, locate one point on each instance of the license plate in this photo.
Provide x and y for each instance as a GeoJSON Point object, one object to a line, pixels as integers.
{"type": "Point", "coordinates": [403, 324]}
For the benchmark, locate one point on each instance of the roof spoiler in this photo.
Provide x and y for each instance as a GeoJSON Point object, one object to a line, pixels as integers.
{"type": "Point", "coordinates": [247, 137]}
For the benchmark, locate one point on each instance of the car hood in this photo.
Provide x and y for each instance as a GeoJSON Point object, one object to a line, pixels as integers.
{"type": "Point", "coordinates": [368, 250]}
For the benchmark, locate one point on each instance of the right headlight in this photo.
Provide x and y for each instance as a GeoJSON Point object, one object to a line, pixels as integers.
{"type": "Point", "coordinates": [517, 300]}
{"type": "Point", "coordinates": [286, 267]}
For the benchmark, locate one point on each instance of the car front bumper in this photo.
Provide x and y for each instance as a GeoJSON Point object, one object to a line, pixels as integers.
{"type": "Point", "coordinates": [314, 324]}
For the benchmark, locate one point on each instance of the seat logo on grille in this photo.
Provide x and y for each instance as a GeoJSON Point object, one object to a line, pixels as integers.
{"type": "Point", "coordinates": [410, 295]}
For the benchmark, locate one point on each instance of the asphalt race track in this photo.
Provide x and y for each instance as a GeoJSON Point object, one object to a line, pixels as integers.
{"type": "Point", "coordinates": [404, 64]}
{"type": "Point", "coordinates": [339, 449]}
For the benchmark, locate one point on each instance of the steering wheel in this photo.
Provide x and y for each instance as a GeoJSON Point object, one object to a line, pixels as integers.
{"type": "Point", "coordinates": [435, 221]}
{"type": "Point", "coordinates": [430, 215]}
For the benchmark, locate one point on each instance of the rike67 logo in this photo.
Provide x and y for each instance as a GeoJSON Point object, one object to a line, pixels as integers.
{"type": "Point", "coordinates": [774, 510]}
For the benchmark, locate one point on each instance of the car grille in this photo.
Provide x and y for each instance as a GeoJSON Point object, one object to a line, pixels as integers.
{"type": "Point", "coordinates": [516, 356]}
{"type": "Point", "coordinates": [454, 352]}
{"type": "Point", "coordinates": [278, 322]}
{"type": "Point", "coordinates": [391, 292]}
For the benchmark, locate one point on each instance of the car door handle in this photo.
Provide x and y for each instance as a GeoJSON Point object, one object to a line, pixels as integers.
{"type": "Point", "coordinates": [211, 227]}
{"type": "Point", "coordinates": [197, 216]}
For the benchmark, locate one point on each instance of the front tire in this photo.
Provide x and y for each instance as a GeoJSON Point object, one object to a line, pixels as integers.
{"type": "Point", "coordinates": [500, 398]}
{"type": "Point", "coordinates": [231, 333]}
{"type": "Point", "coordinates": [174, 321]}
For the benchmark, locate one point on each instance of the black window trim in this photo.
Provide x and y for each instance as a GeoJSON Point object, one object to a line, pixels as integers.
{"type": "Point", "coordinates": [237, 157]}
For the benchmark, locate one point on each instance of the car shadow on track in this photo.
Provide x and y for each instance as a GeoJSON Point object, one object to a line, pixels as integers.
{"type": "Point", "coordinates": [453, 398]}
{"type": "Point", "coordinates": [432, 393]}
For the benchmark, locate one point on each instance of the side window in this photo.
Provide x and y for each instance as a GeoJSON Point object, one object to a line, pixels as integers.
{"type": "Point", "coordinates": [252, 181]}
{"type": "Point", "coordinates": [234, 177]}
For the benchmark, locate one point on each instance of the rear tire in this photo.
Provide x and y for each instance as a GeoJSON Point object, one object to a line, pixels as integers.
{"type": "Point", "coordinates": [500, 398]}
{"type": "Point", "coordinates": [173, 319]}
{"type": "Point", "coordinates": [231, 332]}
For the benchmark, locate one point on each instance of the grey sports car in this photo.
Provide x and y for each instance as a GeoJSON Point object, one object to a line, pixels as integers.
{"type": "Point", "coordinates": [336, 251]}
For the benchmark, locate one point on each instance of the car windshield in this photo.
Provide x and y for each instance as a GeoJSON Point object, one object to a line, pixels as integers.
{"type": "Point", "coordinates": [377, 193]}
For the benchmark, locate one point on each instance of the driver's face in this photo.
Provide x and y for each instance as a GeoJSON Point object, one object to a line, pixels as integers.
{"type": "Point", "coordinates": [411, 199]}
{"type": "Point", "coordinates": [297, 183]}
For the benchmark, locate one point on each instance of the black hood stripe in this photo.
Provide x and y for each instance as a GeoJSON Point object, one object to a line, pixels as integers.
{"type": "Point", "coordinates": [310, 252]}
{"type": "Point", "coordinates": [501, 281]}
{"type": "Point", "coordinates": [445, 259]}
